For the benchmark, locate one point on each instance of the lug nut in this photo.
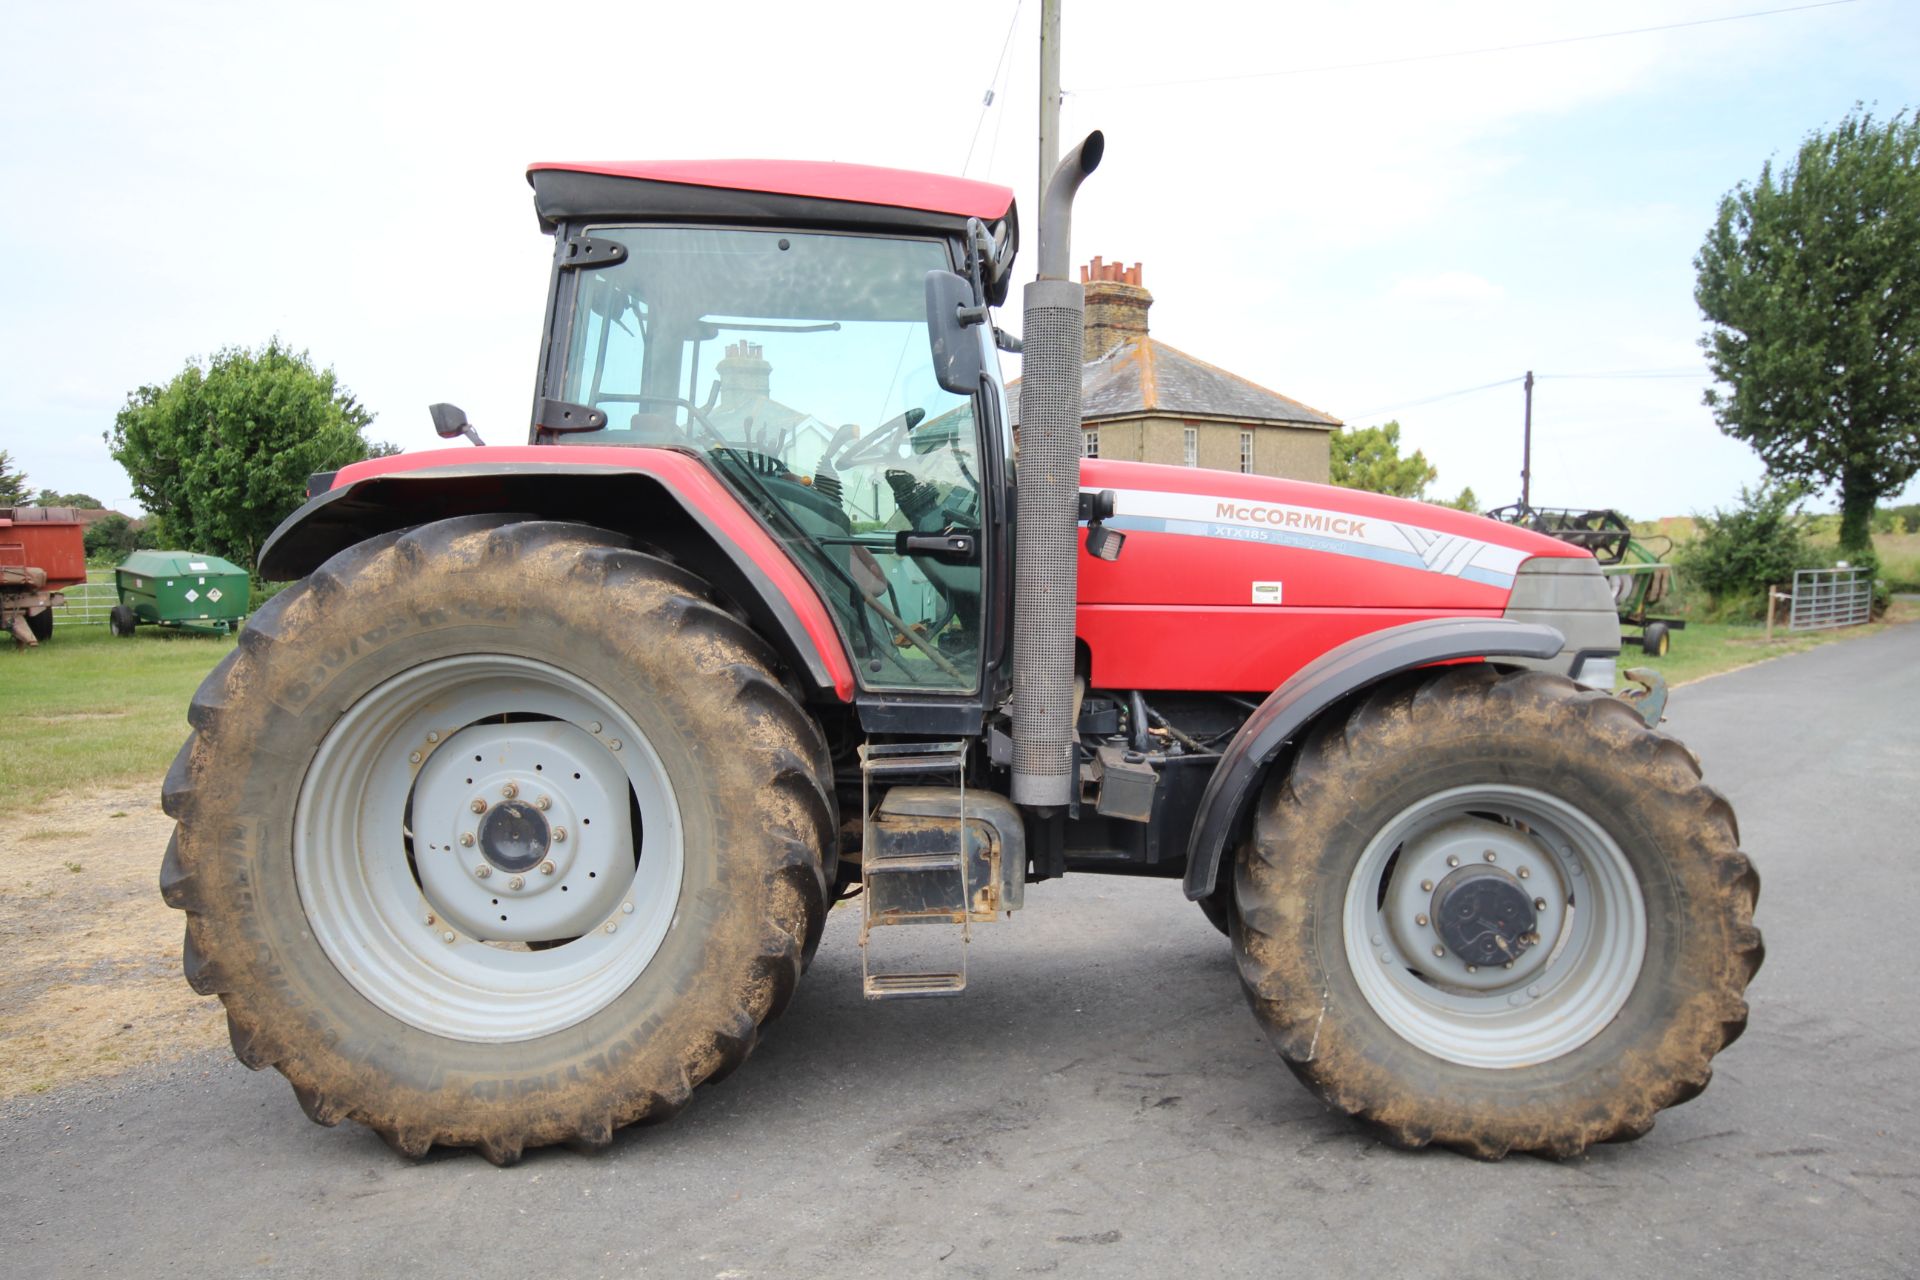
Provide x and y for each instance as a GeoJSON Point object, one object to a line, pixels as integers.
{"type": "Point", "coordinates": [413, 757]}
{"type": "Point", "coordinates": [611, 926]}
{"type": "Point", "coordinates": [543, 802]}
{"type": "Point", "coordinates": [430, 918]}
{"type": "Point", "coordinates": [478, 806]}
{"type": "Point", "coordinates": [1473, 968]}
{"type": "Point", "coordinates": [559, 835]}
{"type": "Point", "coordinates": [518, 882]}
{"type": "Point", "coordinates": [483, 871]}
{"type": "Point", "coordinates": [509, 791]}
{"type": "Point", "coordinates": [466, 839]}
{"type": "Point", "coordinates": [433, 735]}
{"type": "Point", "coordinates": [546, 868]}
{"type": "Point", "coordinates": [1439, 951]}
{"type": "Point", "coordinates": [1426, 886]}
{"type": "Point", "coordinates": [1490, 856]}
{"type": "Point", "coordinates": [1539, 904]}
{"type": "Point", "coordinates": [1507, 965]}
{"type": "Point", "coordinates": [614, 743]}
{"type": "Point", "coordinates": [626, 908]}
{"type": "Point", "coordinates": [1523, 873]}
{"type": "Point", "coordinates": [447, 936]}
{"type": "Point", "coordinates": [1453, 860]}
{"type": "Point", "coordinates": [594, 727]}
{"type": "Point", "coordinates": [1420, 920]}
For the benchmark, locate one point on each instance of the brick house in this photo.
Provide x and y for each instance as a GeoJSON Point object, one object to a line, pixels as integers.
{"type": "Point", "coordinates": [1144, 401]}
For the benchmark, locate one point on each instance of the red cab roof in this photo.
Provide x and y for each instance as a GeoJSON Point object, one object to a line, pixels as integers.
{"type": "Point", "coordinates": [813, 179]}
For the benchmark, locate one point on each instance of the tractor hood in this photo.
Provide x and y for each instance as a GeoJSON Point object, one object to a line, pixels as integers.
{"type": "Point", "coordinates": [1233, 582]}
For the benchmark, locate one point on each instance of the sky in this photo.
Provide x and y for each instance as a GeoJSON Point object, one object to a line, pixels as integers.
{"type": "Point", "coordinates": [1374, 228]}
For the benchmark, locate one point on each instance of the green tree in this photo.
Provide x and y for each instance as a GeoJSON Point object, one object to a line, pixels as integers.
{"type": "Point", "coordinates": [1737, 554]}
{"type": "Point", "coordinates": [113, 538]}
{"type": "Point", "coordinates": [13, 483]}
{"type": "Point", "coordinates": [1369, 458]}
{"type": "Point", "coordinates": [1466, 501]}
{"type": "Point", "coordinates": [221, 455]}
{"type": "Point", "coordinates": [53, 498]}
{"type": "Point", "coordinates": [1809, 279]}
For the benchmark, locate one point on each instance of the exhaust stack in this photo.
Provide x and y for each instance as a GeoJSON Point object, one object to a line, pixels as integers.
{"type": "Point", "coordinates": [1045, 555]}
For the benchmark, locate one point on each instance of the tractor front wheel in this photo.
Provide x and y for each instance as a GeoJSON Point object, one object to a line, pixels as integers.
{"type": "Point", "coordinates": [497, 834]}
{"type": "Point", "coordinates": [1496, 913]}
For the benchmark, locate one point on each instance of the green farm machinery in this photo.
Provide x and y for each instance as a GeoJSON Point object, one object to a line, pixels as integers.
{"type": "Point", "coordinates": [179, 590]}
{"type": "Point", "coordinates": [1635, 569]}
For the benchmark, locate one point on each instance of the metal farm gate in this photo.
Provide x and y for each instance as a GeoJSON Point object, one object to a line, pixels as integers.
{"type": "Point", "coordinates": [1824, 598]}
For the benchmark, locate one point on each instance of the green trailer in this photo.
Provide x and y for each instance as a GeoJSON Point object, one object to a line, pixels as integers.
{"type": "Point", "coordinates": [183, 590]}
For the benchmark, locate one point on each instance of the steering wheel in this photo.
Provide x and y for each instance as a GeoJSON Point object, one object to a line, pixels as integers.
{"type": "Point", "coordinates": [878, 447]}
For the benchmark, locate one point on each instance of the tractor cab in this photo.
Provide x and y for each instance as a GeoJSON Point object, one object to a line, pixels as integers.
{"type": "Point", "coordinates": [785, 339]}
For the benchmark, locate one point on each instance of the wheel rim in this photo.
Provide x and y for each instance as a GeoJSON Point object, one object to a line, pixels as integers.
{"type": "Point", "coordinates": [1551, 997]}
{"type": "Point", "coordinates": [444, 889]}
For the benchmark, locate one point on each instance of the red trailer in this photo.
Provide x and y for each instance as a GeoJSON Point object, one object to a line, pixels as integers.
{"type": "Point", "coordinates": [42, 551]}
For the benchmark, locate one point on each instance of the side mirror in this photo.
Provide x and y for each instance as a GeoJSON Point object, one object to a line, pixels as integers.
{"type": "Point", "coordinates": [951, 313]}
{"type": "Point", "coordinates": [450, 421]}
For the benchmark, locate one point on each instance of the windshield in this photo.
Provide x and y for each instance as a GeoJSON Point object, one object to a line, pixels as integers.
{"type": "Point", "coordinates": [800, 363]}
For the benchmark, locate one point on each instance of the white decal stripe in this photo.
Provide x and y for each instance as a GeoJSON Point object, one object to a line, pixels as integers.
{"type": "Point", "coordinates": [1317, 528]}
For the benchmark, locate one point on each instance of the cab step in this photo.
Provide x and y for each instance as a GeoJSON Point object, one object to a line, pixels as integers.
{"type": "Point", "coordinates": [923, 880]}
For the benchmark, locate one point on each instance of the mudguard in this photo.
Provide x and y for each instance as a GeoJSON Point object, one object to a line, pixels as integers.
{"type": "Point", "coordinates": [662, 496]}
{"type": "Point", "coordinates": [1334, 675]}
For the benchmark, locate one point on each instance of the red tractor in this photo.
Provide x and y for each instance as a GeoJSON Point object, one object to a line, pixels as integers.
{"type": "Point", "coordinates": [516, 818]}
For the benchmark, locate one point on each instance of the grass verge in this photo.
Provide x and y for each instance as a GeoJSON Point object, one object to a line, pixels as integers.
{"type": "Point", "coordinates": [88, 709]}
{"type": "Point", "coordinates": [1709, 648]}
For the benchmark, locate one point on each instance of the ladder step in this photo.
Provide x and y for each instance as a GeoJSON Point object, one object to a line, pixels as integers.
{"type": "Point", "coordinates": [914, 862]}
{"type": "Point", "coordinates": [910, 986]}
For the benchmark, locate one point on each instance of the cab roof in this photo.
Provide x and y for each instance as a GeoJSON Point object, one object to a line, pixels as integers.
{"type": "Point", "coordinates": [808, 191]}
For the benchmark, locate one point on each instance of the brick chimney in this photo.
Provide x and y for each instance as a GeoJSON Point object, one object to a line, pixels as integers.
{"type": "Point", "coordinates": [1116, 305]}
{"type": "Point", "coordinates": [744, 377]}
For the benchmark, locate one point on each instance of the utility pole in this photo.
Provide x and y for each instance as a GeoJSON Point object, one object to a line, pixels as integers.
{"type": "Point", "coordinates": [1049, 98]}
{"type": "Point", "coordinates": [1526, 448]}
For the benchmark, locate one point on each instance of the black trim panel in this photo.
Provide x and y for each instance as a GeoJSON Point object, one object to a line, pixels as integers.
{"type": "Point", "coordinates": [1356, 664]}
{"type": "Point", "coordinates": [564, 195]}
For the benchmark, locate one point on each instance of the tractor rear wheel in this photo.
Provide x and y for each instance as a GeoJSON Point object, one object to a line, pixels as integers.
{"type": "Point", "coordinates": [1496, 913]}
{"type": "Point", "coordinates": [496, 834]}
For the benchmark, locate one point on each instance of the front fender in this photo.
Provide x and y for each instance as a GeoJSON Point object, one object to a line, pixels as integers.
{"type": "Point", "coordinates": [1363, 661]}
{"type": "Point", "coordinates": [662, 496]}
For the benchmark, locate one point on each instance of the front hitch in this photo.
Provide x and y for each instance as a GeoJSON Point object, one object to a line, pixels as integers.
{"type": "Point", "coordinates": [1650, 699]}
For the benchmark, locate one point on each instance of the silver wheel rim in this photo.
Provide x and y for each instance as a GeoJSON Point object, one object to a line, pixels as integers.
{"type": "Point", "coordinates": [1561, 992]}
{"type": "Point", "coordinates": [403, 894]}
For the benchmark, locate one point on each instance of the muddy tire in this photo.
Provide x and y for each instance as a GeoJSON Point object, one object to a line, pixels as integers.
{"type": "Point", "coordinates": [121, 620]}
{"type": "Point", "coordinates": [1641, 915]}
{"type": "Point", "coordinates": [342, 883]}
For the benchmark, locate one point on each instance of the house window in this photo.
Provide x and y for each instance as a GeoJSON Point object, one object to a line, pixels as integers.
{"type": "Point", "coordinates": [1246, 453]}
{"type": "Point", "coordinates": [1090, 444]}
{"type": "Point", "coordinates": [1191, 443]}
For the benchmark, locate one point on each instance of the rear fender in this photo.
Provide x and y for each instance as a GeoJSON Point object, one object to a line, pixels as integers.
{"type": "Point", "coordinates": [1332, 677]}
{"type": "Point", "coordinates": [660, 496]}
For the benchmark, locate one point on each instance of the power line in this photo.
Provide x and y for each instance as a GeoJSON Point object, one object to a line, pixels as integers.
{"type": "Point", "coordinates": [1444, 395]}
{"type": "Point", "coordinates": [1604, 375]}
{"type": "Point", "coordinates": [1464, 53]}
{"type": "Point", "coordinates": [986, 103]}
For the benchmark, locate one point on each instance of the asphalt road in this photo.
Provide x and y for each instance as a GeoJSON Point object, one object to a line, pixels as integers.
{"type": "Point", "coordinates": [1101, 1103]}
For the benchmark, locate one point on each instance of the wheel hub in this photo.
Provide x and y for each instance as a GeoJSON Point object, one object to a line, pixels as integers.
{"type": "Point", "coordinates": [522, 832]}
{"type": "Point", "coordinates": [1483, 915]}
{"type": "Point", "coordinates": [514, 836]}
